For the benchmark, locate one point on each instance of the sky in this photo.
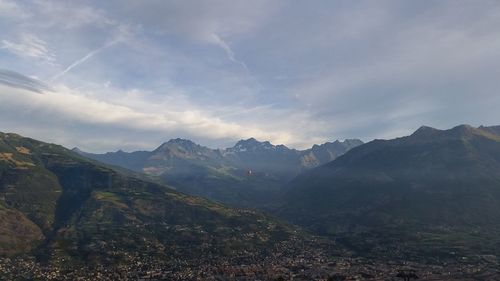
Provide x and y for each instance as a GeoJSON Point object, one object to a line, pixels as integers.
{"type": "Point", "coordinates": [123, 74]}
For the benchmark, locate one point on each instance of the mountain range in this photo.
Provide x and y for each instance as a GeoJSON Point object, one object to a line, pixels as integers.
{"type": "Point", "coordinates": [249, 174]}
{"type": "Point", "coordinates": [432, 198]}
{"type": "Point", "coordinates": [437, 188]}
{"type": "Point", "coordinates": [435, 191]}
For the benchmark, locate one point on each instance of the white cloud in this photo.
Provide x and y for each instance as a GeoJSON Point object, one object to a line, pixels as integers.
{"type": "Point", "coordinates": [30, 46]}
{"type": "Point", "coordinates": [64, 107]}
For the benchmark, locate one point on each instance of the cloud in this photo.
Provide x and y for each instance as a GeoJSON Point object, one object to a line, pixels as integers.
{"type": "Point", "coordinates": [431, 62]}
{"type": "Point", "coordinates": [63, 107]}
{"type": "Point", "coordinates": [29, 46]}
{"type": "Point", "coordinates": [16, 80]}
{"type": "Point", "coordinates": [206, 21]}
{"type": "Point", "coordinates": [319, 71]}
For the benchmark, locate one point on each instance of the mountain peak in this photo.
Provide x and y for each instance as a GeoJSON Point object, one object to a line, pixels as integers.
{"type": "Point", "coordinates": [464, 128]}
{"type": "Point", "coordinates": [424, 131]}
{"type": "Point", "coordinates": [183, 149]}
{"type": "Point", "coordinates": [247, 141]}
{"type": "Point", "coordinates": [181, 141]}
{"type": "Point", "coordinates": [252, 144]}
{"type": "Point", "coordinates": [350, 143]}
{"type": "Point", "coordinates": [177, 142]}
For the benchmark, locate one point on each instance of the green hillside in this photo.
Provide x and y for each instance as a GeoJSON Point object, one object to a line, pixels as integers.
{"type": "Point", "coordinates": [66, 211]}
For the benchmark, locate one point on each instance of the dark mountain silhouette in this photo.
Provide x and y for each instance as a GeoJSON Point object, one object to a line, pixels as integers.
{"type": "Point", "coordinates": [435, 190]}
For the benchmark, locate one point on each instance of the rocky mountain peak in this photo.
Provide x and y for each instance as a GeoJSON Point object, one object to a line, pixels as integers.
{"type": "Point", "coordinates": [252, 144]}
{"type": "Point", "coordinates": [178, 143]}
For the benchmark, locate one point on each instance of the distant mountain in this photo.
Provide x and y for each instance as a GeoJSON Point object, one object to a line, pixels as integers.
{"type": "Point", "coordinates": [249, 174]}
{"type": "Point", "coordinates": [435, 191]}
{"type": "Point", "coordinates": [265, 156]}
{"type": "Point", "coordinates": [134, 160]}
{"type": "Point", "coordinates": [324, 153]}
{"type": "Point", "coordinates": [70, 211]}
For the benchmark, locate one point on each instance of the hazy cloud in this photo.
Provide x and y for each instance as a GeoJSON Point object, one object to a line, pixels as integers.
{"type": "Point", "coordinates": [63, 107]}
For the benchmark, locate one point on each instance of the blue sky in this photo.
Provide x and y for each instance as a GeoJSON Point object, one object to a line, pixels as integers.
{"type": "Point", "coordinates": [108, 75]}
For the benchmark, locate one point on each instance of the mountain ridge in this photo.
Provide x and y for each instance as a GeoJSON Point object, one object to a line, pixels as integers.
{"type": "Point", "coordinates": [249, 174]}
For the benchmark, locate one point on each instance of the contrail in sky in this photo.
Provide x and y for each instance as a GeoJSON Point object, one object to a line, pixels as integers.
{"type": "Point", "coordinates": [81, 60]}
{"type": "Point", "coordinates": [229, 52]}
